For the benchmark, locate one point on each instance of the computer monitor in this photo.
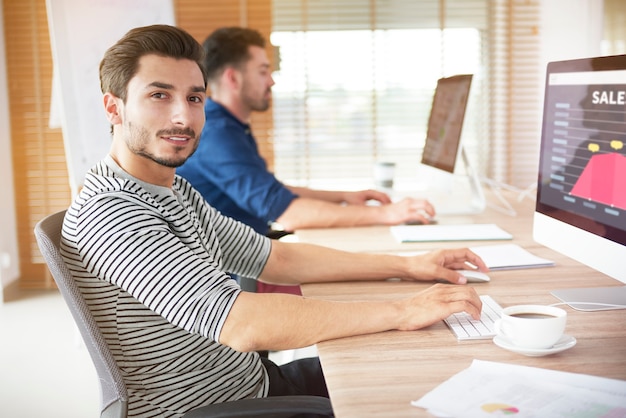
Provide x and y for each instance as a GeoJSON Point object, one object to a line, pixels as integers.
{"type": "Point", "coordinates": [581, 190]}
{"type": "Point", "coordinates": [445, 123]}
{"type": "Point", "coordinates": [443, 147]}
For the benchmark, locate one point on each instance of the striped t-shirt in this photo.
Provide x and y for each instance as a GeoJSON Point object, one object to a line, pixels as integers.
{"type": "Point", "coordinates": [150, 262]}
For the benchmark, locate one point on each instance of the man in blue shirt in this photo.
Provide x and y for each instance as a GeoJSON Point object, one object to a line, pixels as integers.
{"type": "Point", "coordinates": [229, 172]}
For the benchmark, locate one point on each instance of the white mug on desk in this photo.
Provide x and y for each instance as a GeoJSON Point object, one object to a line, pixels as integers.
{"type": "Point", "coordinates": [383, 174]}
{"type": "Point", "coordinates": [532, 326]}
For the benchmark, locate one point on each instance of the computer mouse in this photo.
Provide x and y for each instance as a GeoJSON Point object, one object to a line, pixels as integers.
{"type": "Point", "coordinates": [431, 221]}
{"type": "Point", "coordinates": [474, 276]}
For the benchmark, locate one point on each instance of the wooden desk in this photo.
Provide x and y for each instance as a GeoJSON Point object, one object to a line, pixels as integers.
{"type": "Point", "coordinates": [378, 375]}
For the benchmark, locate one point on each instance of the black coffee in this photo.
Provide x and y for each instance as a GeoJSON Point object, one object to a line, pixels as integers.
{"type": "Point", "coordinates": [532, 315]}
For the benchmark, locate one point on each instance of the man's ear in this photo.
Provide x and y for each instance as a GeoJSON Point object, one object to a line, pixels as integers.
{"type": "Point", "coordinates": [232, 77]}
{"type": "Point", "coordinates": [112, 108]}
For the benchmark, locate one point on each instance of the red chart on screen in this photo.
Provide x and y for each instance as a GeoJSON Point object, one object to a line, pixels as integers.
{"type": "Point", "coordinates": [603, 180]}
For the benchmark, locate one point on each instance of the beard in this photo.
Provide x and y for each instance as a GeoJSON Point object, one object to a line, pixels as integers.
{"type": "Point", "coordinates": [258, 104]}
{"type": "Point", "coordinates": [138, 139]}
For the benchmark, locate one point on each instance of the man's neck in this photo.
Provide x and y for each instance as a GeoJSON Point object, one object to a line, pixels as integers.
{"type": "Point", "coordinates": [142, 168]}
{"type": "Point", "coordinates": [233, 105]}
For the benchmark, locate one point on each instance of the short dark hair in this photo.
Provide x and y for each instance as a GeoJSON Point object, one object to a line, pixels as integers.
{"type": "Point", "coordinates": [121, 61]}
{"type": "Point", "coordinates": [229, 47]}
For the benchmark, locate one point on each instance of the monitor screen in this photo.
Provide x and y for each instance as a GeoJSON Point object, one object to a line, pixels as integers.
{"type": "Point", "coordinates": [443, 136]}
{"type": "Point", "coordinates": [581, 194]}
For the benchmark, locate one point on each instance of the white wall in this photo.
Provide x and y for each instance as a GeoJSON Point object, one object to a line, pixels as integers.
{"type": "Point", "coordinates": [9, 266]}
{"type": "Point", "coordinates": [571, 29]}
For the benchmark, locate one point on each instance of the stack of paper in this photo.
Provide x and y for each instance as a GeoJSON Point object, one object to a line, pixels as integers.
{"type": "Point", "coordinates": [488, 389]}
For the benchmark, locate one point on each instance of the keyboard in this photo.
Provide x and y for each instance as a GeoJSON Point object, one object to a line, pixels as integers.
{"type": "Point", "coordinates": [465, 327]}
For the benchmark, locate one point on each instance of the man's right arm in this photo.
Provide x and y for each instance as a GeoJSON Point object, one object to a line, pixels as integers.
{"type": "Point", "coordinates": [290, 321]}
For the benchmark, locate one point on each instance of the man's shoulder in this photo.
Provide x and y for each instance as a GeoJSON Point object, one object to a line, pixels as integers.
{"type": "Point", "coordinates": [102, 179]}
{"type": "Point", "coordinates": [187, 191]}
{"type": "Point", "coordinates": [102, 187]}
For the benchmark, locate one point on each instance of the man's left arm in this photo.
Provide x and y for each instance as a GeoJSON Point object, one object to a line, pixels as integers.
{"type": "Point", "coordinates": [299, 263]}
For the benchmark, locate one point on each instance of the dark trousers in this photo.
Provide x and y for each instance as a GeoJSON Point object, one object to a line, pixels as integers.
{"type": "Point", "coordinates": [299, 377]}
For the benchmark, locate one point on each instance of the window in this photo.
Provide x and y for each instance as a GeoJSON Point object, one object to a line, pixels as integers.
{"type": "Point", "coordinates": [356, 87]}
{"type": "Point", "coordinates": [614, 41]}
{"type": "Point", "coordinates": [355, 82]}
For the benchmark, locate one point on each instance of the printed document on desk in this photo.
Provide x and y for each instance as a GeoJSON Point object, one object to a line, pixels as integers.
{"type": "Point", "coordinates": [454, 232]}
{"type": "Point", "coordinates": [488, 389]}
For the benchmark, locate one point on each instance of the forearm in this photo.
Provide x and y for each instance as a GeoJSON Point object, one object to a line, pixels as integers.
{"type": "Point", "coordinates": [296, 263]}
{"type": "Point", "coordinates": [278, 321]}
{"type": "Point", "coordinates": [325, 195]}
{"type": "Point", "coordinates": [294, 321]}
{"type": "Point", "coordinates": [311, 213]}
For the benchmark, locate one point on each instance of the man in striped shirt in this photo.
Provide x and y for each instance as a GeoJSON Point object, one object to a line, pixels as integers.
{"type": "Point", "coordinates": [150, 255]}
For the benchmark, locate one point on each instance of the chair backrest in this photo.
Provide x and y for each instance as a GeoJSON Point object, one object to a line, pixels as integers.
{"type": "Point", "coordinates": [114, 397]}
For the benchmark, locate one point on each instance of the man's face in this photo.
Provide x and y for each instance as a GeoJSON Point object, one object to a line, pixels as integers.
{"type": "Point", "coordinates": [256, 90]}
{"type": "Point", "coordinates": [164, 110]}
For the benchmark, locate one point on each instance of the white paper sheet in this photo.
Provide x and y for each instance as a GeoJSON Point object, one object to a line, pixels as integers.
{"type": "Point", "coordinates": [454, 232]}
{"type": "Point", "coordinates": [487, 389]}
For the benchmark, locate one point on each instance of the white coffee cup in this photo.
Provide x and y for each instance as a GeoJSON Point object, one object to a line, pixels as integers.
{"type": "Point", "coordinates": [384, 172]}
{"type": "Point", "coordinates": [532, 326]}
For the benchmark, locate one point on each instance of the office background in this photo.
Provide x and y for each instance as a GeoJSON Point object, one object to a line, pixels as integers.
{"type": "Point", "coordinates": [529, 33]}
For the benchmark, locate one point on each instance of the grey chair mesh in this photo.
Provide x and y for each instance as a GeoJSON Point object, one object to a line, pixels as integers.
{"type": "Point", "coordinates": [114, 396]}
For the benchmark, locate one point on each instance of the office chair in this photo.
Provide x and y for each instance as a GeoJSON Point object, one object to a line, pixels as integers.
{"type": "Point", "coordinates": [114, 396]}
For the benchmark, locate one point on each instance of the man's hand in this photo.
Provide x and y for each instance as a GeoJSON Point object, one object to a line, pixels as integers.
{"type": "Point", "coordinates": [437, 303]}
{"type": "Point", "coordinates": [361, 197]}
{"type": "Point", "coordinates": [408, 210]}
{"type": "Point", "coordinates": [442, 265]}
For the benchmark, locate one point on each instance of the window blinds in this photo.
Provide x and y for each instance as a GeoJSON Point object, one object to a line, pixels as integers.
{"type": "Point", "coordinates": [39, 170]}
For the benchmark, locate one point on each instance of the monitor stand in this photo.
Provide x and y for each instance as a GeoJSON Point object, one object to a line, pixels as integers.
{"type": "Point", "coordinates": [590, 299]}
{"type": "Point", "coordinates": [458, 193]}
{"type": "Point", "coordinates": [476, 190]}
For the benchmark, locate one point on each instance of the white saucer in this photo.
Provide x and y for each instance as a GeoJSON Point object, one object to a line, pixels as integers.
{"type": "Point", "coordinates": [564, 343]}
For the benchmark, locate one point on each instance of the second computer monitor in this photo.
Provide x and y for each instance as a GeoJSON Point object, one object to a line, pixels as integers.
{"type": "Point", "coordinates": [443, 136]}
{"type": "Point", "coordinates": [458, 191]}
